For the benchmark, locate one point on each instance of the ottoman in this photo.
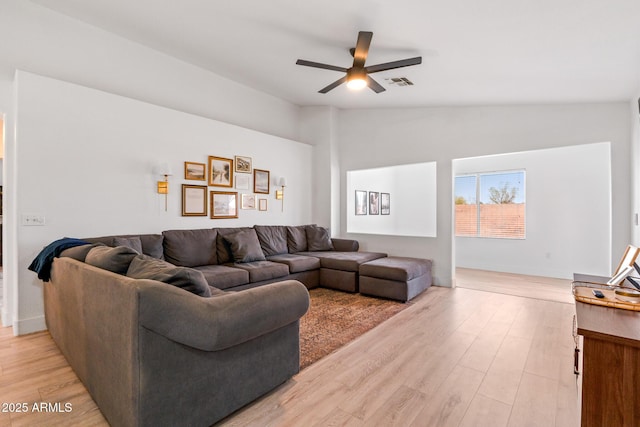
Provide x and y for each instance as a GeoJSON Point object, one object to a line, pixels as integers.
{"type": "Point", "coordinates": [397, 278]}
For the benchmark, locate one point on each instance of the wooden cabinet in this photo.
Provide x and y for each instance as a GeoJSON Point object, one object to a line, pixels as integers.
{"type": "Point", "coordinates": [610, 365]}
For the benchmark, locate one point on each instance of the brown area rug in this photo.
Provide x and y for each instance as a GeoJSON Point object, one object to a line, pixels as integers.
{"type": "Point", "coordinates": [336, 318]}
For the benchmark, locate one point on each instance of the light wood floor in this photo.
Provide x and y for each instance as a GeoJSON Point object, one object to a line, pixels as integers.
{"type": "Point", "coordinates": [460, 357]}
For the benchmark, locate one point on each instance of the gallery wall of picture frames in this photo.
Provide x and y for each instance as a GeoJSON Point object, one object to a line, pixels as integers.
{"type": "Point", "coordinates": [237, 173]}
{"type": "Point", "coordinates": [372, 203]}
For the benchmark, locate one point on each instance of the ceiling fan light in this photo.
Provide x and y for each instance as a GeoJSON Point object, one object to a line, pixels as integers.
{"type": "Point", "coordinates": [356, 83]}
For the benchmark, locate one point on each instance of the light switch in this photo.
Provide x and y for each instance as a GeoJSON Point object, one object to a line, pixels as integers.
{"type": "Point", "coordinates": [32, 219]}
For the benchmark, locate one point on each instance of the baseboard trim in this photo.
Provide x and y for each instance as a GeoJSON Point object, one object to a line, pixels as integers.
{"type": "Point", "coordinates": [27, 326]}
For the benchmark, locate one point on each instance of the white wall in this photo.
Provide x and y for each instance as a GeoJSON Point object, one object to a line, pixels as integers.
{"type": "Point", "coordinates": [568, 214]}
{"type": "Point", "coordinates": [84, 158]}
{"type": "Point", "coordinates": [41, 41]}
{"type": "Point", "coordinates": [371, 138]}
{"type": "Point", "coordinates": [635, 168]}
{"type": "Point", "coordinates": [412, 189]}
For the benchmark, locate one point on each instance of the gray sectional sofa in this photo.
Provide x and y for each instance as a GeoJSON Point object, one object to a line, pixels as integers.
{"type": "Point", "coordinates": [234, 259]}
{"type": "Point", "coordinates": [224, 333]}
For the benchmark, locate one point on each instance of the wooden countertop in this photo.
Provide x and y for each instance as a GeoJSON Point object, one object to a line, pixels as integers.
{"type": "Point", "coordinates": [609, 324]}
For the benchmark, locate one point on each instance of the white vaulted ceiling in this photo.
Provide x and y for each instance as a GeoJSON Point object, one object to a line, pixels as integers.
{"type": "Point", "coordinates": [474, 52]}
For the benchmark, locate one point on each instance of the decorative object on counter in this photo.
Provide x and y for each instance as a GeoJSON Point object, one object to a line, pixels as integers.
{"type": "Point", "coordinates": [224, 204]}
{"type": "Point", "coordinates": [195, 171]}
{"type": "Point", "coordinates": [194, 200]}
{"type": "Point", "coordinates": [243, 164]}
{"type": "Point", "coordinates": [220, 171]}
{"type": "Point", "coordinates": [261, 181]}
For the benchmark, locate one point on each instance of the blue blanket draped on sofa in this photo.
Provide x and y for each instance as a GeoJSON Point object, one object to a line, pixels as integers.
{"type": "Point", "coordinates": [42, 263]}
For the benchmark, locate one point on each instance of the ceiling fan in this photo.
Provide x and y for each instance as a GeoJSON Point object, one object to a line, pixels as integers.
{"type": "Point", "coordinates": [357, 77]}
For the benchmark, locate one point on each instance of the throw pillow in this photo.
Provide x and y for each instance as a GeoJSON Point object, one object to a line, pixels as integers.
{"type": "Point", "coordinates": [146, 267]}
{"type": "Point", "coordinates": [190, 248]}
{"type": "Point", "coordinates": [318, 238]}
{"type": "Point", "coordinates": [296, 239]}
{"type": "Point", "coordinates": [245, 246]}
{"type": "Point", "coordinates": [273, 239]}
{"type": "Point", "coordinates": [79, 252]}
{"type": "Point", "coordinates": [131, 242]}
{"type": "Point", "coordinates": [115, 259]}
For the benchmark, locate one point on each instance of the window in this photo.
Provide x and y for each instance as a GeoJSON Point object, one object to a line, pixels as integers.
{"type": "Point", "coordinates": [490, 205]}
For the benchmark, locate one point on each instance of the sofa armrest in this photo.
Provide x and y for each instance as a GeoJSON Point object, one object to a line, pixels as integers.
{"type": "Point", "coordinates": [220, 322]}
{"type": "Point", "coordinates": [345, 245]}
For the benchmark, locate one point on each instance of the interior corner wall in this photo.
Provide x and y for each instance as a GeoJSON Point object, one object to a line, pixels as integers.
{"type": "Point", "coordinates": [84, 160]}
{"type": "Point", "coordinates": [370, 138]}
{"type": "Point", "coordinates": [317, 128]}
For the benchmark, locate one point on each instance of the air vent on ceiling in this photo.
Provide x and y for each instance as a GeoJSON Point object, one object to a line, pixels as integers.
{"type": "Point", "coordinates": [399, 81]}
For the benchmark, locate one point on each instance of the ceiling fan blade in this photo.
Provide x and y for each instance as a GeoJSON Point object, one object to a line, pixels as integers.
{"type": "Point", "coordinates": [395, 64]}
{"type": "Point", "coordinates": [333, 85]}
{"type": "Point", "coordinates": [362, 48]}
{"type": "Point", "coordinates": [320, 65]}
{"type": "Point", "coordinates": [374, 85]}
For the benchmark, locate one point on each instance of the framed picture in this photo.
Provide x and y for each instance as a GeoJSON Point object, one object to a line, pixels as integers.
{"type": "Point", "coordinates": [220, 171]}
{"type": "Point", "coordinates": [243, 182]}
{"type": "Point", "coordinates": [385, 204]}
{"type": "Point", "coordinates": [262, 204]}
{"type": "Point", "coordinates": [243, 164]}
{"type": "Point", "coordinates": [195, 171]}
{"type": "Point", "coordinates": [224, 204]}
{"type": "Point", "coordinates": [248, 201]}
{"type": "Point", "coordinates": [361, 202]}
{"type": "Point", "coordinates": [374, 203]}
{"type": "Point", "coordinates": [194, 200]}
{"type": "Point", "coordinates": [260, 181]}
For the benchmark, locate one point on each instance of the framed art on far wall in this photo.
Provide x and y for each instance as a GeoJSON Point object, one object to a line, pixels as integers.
{"type": "Point", "coordinates": [262, 204]}
{"type": "Point", "coordinates": [243, 182]}
{"type": "Point", "coordinates": [261, 181]}
{"type": "Point", "coordinates": [361, 202]}
{"type": "Point", "coordinates": [220, 171]}
{"type": "Point", "coordinates": [194, 200]}
{"type": "Point", "coordinates": [224, 204]}
{"type": "Point", "coordinates": [385, 204]}
{"type": "Point", "coordinates": [374, 203]}
{"type": "Point", "coordinates": [195, 171]}
{"type": "Point", "coordinates": [248, 201]}
{"type": "Point", "coordinates": [243, 164]}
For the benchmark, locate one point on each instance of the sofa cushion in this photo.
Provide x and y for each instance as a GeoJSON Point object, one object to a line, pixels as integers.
{"type": "Point", "coordinates": [115, 259]}
{"type": "Point", "coordinates": [263, 270]}
{"type": "Point", "coordinates": [318, 238]}
{"type": "Point", "coordinates": [133, 242]}
{"type": "Point", "coordinates": [224, 277]}
{"type": "Point", "coordinates": [297, 239]}
{"type": "Point", "coordinates": [223, 248]}
{"type": "Point", "coordinates": [245, 246]}
{"type": "Point", "coordinates": [345, 261]}
{"type": "Point", "coordinates": [297, 263]}
{"type": "Point", "coordinates": [190, 248]}
{"type": "Point", "coordinates": [400, 269]}
{"type": "Point", "coordinates": [273, 239]}
{"type": "Point", "coordinates": [79, 252]}
{"type": "Point", "coordinates": [146, 267]}
{"type": "Point", "coordinates": [151, 243]}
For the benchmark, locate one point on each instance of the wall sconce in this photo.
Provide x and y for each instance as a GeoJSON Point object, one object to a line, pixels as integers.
{"type": "Point", "coordinates": [280, 193]}
{"type": "Point", "coordinates": [163, 186]}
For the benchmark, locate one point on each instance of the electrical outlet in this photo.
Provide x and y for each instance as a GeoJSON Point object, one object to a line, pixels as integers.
{"type": "Point", "coordinates": [32, 219]}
